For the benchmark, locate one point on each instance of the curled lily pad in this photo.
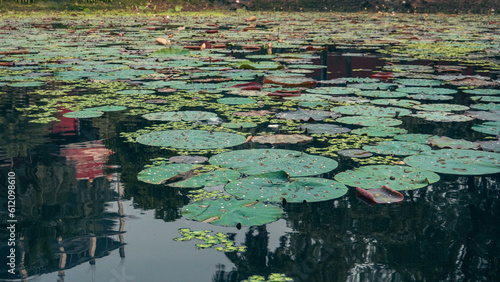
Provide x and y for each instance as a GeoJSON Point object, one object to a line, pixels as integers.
{"type": "Point", "coordinates": [191, 139]}
{"type": "Point", "coordinates": [456, 161]}
{"type": "Point", "coordinates": [489, 127]}
{"type": "Point", "coordinates": [398, 148]}
{"type": "Point", "coordinates": [383, 195]}
{"type": "Point", "coordinates": [396, 177]}
{"type": "Point", "coordinates": [163, 173]}
{"type": "Point", "coordinates": [208, 179]}
{"type": "Point", "coordinates": [490, 146]}
{"type": "Point", "coordinates": [257, 161]}
{"type": "Point", "coordinates": [282, 139]}
{"type": "Point", "coordinates": [369, 121]}
{"type": "Point", "coordinates": [291, 81]}
{"type": "Point", "coordinates": [323, 128]}
{"type": "Point", "coordinates": [379, 131]}
{"type": "Point", "coordinates": [277, 186]}
{"type": "Point", "coordinates": [180, 116]}
{"type": "Point", "coordinates": [232, 212]}
{"type": "Point", "coordinates": [450, 143]}
{"type": "Point", "coordinates": [83, 114]}
{"type": "Point", "coordinates": [304, 115]}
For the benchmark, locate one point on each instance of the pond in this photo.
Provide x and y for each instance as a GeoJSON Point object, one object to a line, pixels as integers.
{"type": "Point", "coordinates": [261, 147]}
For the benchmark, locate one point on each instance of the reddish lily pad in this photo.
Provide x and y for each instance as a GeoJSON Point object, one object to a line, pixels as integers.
{"type": "Point", "coordinates": [384, 195]}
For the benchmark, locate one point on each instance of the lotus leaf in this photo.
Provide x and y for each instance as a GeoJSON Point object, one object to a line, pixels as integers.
{"type": "Point", "coordinates": [456, 161]}
{"type": "Point", "coordinates": [191, 139]}
{"type": "Point", "coordinates": [486, 107]}
{"type": "Point", "coordinates": [237, 125]}
{"type": "Point", "coordinates": [324, 128]}
{"type": "Point", "coordinates": [291, 81]}
{"type": "Point", "coordinates": [366, 110]}
{"type": "Point", "coordinates": [373, 86]}
{"type": "Point", "coordinates": [430, 97]}
{"type": "Point", "coordinates": [492, 99]}
{"type": "Point", "coordinates": [483, 91]}
{"type": "Point", "coordinates": [308, 97]}
{"type": "Point", "coordinates": [277, 186]}
{"type": "Point", "coordinates": [418, 82]}
{"type": "Point", "coordinates": [107, 108]}
{"type": "Point", "coordinates": [232, 212]}
{"type": "Point", "coordinates": [27, 84]}
{"type": "Point", "coordinates": [257, 161]}
{"type": "Point", "coordinates": [484, 115]}
{"type": "Point", "coordinates": [427, 90]}
{"type": "Point", "coordinates": [379, 131]}
{"type": "Point", "coordinates": [83, 114]}
{"type": "Point", "coordinates": [163, 173]}
{"type": "Point", "coordinates": [304, 115]}
{"type": "Point", "coordinates": [180, 116]}
{"type": "Point", "coordinates": [355, 153]}
{"type": "Point", "coordinates": [332, 90]}
{"type": "Point", "coordinates": [384, 195]}
{"type": "Point", "coordinates": [313, 104]}
{"type": "Point", "coordinates": [208, 179]}
{"type": "Point", "coordinates": [184, 159]}
{"type": "Point", "coordinates": [490, 146]}
{"type": "Point", "coordinates": [381, 94]}
{"type": "Point", "coordinates": [369, 121]}
{"type": "Point", "coordinates": [489, 127]}
{"type": "Point", "coordinates": [398, 148]}
{"type": "Point", "coordinates": [397, 177]}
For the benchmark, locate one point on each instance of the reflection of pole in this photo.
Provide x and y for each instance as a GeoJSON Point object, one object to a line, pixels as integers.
{"type": "Point", "coordinates": [324, 62]}
{"type": "Point", "coordinates": [348, 66]}
{"type": "Point", "coordinates": [122, 216]}
{"type": "Point", "coordinates": [22, 270]}
{"type": "Point", "coordinates": [62, 261]}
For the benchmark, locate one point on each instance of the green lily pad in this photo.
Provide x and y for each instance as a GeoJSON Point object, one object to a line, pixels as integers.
{"type": "Point", "coordinates": [136, 92]}
{"type": "Point", "coordinates": [277, 186]}
{"type": "Point", "coordinates": [237, 125]}
{"type": "Point", "coordinates": [161, 174]}
{"type": "Point", "coordinates": [305, 115]}
{"type": "Point", "coordinates": [180, 116]}
{"type": "Point", "coordinates": [415, 137]}
{"type": "Point", "coordinates": [485, 91]}
{"type": "Point", "coordinates": [369, 121]}
{"type": "Point", "coordinates": [107, 108]}
{"type": "Point", "coordinates": [236, 101]}
{"type": "Point", "coordinates": [282, 139]}
{"type": "Point", "coordinates": [323, 128]}
{"type": "Point", "coordinates": [257, 161]}
{"type": "Point", "coordinates": [397, 177]}
{"type": "Point", "coordinates": [191, 139]}
{"type": "Point", "coordinates": [456, 161]}
{"type": "Point", "coordinates": [313, 104]}
{"type": "Point", "coordinates": [442, 116]}
{"type": "Point", "coordinates": [83, 114]}
{"type": "Point", "coordinates": [395, 102]}
{"type": "Point", "coordinates": [27, 84]}
{"type": "Point", "coordinates": [430, 97]}
{"type": "Point", "coordinates": [208, 179]}
{"type": "Point", "coordinates": [381, 94]}
{"type": "Point", "coordinates": [484, 115]}
{"type": "Point", "coordinates": [398, 148]}
{"type": "Point", "coordinates": [427, 90]}
{"type": "Point", "coordinates": [355, 153]}
{"type": "Point", "coordinates": [489, 127]}
{"type": "Point", "coordinates": [418, 82]}
{"type": "Point", "coordinates": [373, 86]}
{"type": "Point", "coordinates": [379, 131]}
{"type": "Point", "coordinates": [232, 212]}
{"type": "Point", "coordinates": [486, 107]}
{"type": "Point", "coordinates": [441, 107]}
{"type": "Point", "coordinates": [366, 110]}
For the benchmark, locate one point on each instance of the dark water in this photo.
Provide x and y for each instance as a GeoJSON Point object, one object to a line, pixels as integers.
{"type": "Point", "coordinates": [97, 222]}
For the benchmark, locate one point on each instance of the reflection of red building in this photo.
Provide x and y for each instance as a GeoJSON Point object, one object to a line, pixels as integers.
{"type": "Point", "coordinates": [66, 126]}
{"type": "Point", "coordinates": [88, 157]}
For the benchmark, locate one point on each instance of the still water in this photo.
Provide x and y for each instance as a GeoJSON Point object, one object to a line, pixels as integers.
{"type": "Point", "coordinates": [82, 215]}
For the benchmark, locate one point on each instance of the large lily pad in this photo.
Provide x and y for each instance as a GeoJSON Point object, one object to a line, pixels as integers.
{"type": "Point", "coordinates": [442, 116]}
{"type": "Point", "coordinates": [163, 173]}
{"type": "Point", "coordinates": [396, 177]}
{"type": "Point", "coordinates": [379, 131]}
{"type": "Point", "coordinates": [232, 212]}
{"type": "Point", "coordinates": [398, 148]}
{"type": "Point", "coordinates": [441, 107]}
{"type": "Point", "coordinates": [191, 139]}
{"type": "Point", "coordinates": [489, 127]}
{"type": "Point", "coordinates": [450, 143]}
{"type": "Point", "coordinates": [456, 161]}
{"type": "Point", "coordinates": [282, 139]}
{"type": "Point", "coordinates": [257, 161]}
{"type": "Point", "coordinates": [83, 114]}
{"type": "Point", "coordinates": [324, 128]}
{"type": "Point", "coordinates": [180, 116]}
{"type": "Point", "coordinates": [369, 121]}
{"type": "Point", "coordinates": [277, 186]}
{"type": "Point", "coordinates": [366, 110]}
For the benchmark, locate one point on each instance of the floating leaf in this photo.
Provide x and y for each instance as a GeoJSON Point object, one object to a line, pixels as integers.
{"type": "Point", "coordinates": [191, 139]}
{"type": "Point", "coordinates": [379, 131]}
{"type": "Point", "coordinates": [489, 127]}
{"type": "Point", "coordinates": [384, 195]}
{"type": "Point", "coordinates": [323, 128]}
{"type": "Point", "coordinates": [398, 148]}
{"type": "Point", "coordinates": [446, 142]}
{"type": "Point", "coordinates": [305, 115]}
{"type": "Point", "coordinates": [282, 139]}
{"type": "Point", "coordinates": [161, 174]}
{"type": "Point", "coordinates": [236, 101]}
{"type": "Point", "coordinates": [257, 161]}
{"type": "Point", "coordinates": [456, 161]}
{"type": "Point", "coordinates": [208, 179]}
{"type": "Point", "coordinates": [188, 159]}
{"type": "Point", "coordinates": [180, 116]}
{"type": "Point", "coordinates": [83, 114]}
{"type": "Point", "coordinates": [441, 116]}
{"type": "Point", "coordinates": [365, 110]}
{"type": "Point", "coordinates": [277, 186]}
{"type": "Point", "coordinates": [369, 121]}
{"type": "Point", "coordinates": [232, 212]}
{"type": "Point", "coordinates": [415, 137]}
{"type": "Point", "coordinates": [441, 107]}
{"type": "Point", "coordinates": [355, 153]}
{"type": "Point", "coordinates": [397, 177]}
